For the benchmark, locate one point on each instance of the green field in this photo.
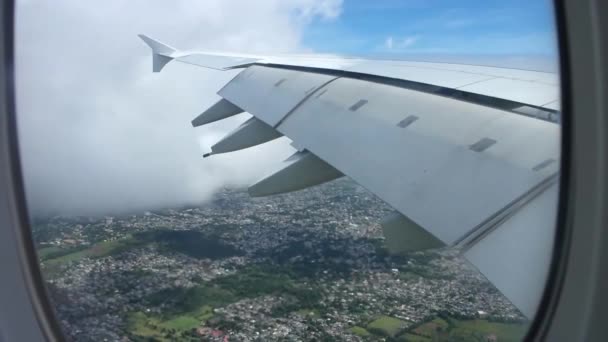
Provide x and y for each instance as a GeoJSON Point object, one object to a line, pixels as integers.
{"type": "Point", "coordinates": [413, 338]}
{"type": "Point", "coordinates": [506, 332]}
{"type": "Point", "coordinates": [183, 301]}
{"type": "Point", "coordinates": [431, 328]}
{"type": "Point", "coordinates": [309, 313]}
{"type": "Point", "coordinates": [167, 328]}
{"type": "Point", "coordinates": [98, 250]}
{"type": "Point", "coordinates": [451, 329]}
{"type": "Point", "coordinates": [359, 331]}
{"type": "Point", "coordinates": [52, 252]}
{"type": "Point", "coordinates": [188, 307]}
{"type": "Point", "coordinates": [386, 326]}
{"type": "Point", "coordinates": [181, 323]}
{"type": "Point", "coordinates": [191, 243]}
{"type": "Point", "coordinates": [251, 282]}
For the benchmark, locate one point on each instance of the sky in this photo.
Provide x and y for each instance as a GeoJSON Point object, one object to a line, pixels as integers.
{"type": "Point", "coordinates": [100, 134]}
{"type": "Point", "coordinates": [470, 27]}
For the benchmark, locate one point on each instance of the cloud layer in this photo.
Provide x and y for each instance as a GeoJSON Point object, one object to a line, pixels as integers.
{"type": "Point", "coordinates": [101, 134]}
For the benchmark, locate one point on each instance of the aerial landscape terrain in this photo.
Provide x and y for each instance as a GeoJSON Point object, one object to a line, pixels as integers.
{"type": "Point", "coordinates": [304, 266]}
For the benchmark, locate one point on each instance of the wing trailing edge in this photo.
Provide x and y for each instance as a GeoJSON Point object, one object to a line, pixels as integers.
{"type": "Point", "coordinates": [303, 170]}
{"type": "Point", "coordinates": [251, 133]}
{"type": "Point", "coordinates": [403, 235]}
{"type": "Point", "coordinates": [220, 110]}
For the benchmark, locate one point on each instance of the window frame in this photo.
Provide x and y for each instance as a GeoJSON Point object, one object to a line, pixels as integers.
{"type": "Point", "coordinates": [573, 304]}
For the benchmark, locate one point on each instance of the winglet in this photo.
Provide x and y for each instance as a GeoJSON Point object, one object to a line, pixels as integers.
{"type": "Point", "coordinates": [161, 53]}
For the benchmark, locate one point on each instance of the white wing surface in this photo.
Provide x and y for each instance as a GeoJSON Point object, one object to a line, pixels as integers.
{"type": "Point", "coordinates": [468, 156]}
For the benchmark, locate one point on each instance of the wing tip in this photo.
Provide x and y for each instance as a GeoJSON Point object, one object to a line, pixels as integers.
{"type": "Point", "coordinates": [161, 52]}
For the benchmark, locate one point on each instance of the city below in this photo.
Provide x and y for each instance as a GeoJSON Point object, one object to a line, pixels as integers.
{"type": "Point", "coordinates": [305, 266]}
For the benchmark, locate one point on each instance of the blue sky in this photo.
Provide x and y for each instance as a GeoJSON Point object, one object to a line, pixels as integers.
{"type": "Point", "coordinates": [395, 28]}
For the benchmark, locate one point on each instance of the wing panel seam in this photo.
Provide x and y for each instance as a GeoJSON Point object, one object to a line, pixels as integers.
{"type": "Point", "coordinates": [304, 99]}
{"type": "Point", "coordinates": [482, 230]}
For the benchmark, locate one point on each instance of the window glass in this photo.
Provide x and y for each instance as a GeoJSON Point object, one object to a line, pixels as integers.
{"type": "Point", "coordinates": [372, 170]}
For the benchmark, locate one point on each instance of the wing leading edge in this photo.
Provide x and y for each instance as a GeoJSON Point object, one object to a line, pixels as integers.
{"type": "Point", "coordinates": [462, 166]}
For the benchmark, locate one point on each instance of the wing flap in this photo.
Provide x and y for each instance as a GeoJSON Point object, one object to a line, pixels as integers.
{"type": "Point", "coordinates": [250, 133]}
{"type": "Point", "coordinates": [403, 235]}
{"type": "Point", "coordinates": [515, 258]}
{"type": "Point", "coordinates": [303, 170]}
{"type": "Point", "coordinates": [220, 110]}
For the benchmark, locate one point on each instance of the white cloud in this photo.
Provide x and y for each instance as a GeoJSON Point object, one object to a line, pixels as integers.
{"type": "Point", "coordinates": [409, 41]}
{"type": "Point", "coordinates": [99, 132]}
{"type": "Point", "coordinates": [389, 43]}
{"type": "Point", "coordinates": [310, 9]}
{"type": "Point", "coordinates": [400, 44]}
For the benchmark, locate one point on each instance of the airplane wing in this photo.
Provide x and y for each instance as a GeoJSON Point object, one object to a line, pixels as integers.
{"type": "Point", "coordinates": [468, 156]}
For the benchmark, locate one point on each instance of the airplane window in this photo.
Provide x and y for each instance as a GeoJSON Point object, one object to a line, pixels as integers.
{"type": "Point", "coordinates": [307, 170]}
